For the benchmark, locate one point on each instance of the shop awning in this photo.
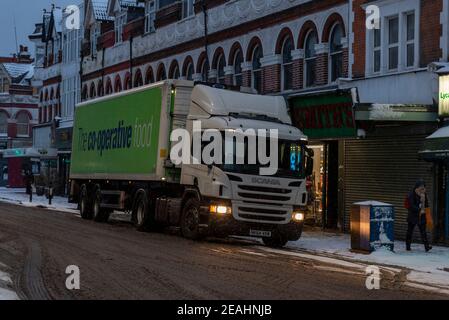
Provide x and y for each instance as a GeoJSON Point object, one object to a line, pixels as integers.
{"type": "Point", "coordinates": [436, 146]}
{"type": "Point", "coordinates": [29, 153]}
{"type": "Point", "coordinates": [395, 112]}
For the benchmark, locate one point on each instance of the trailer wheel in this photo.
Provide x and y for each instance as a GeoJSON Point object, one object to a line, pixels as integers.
{"type": "Point", "coordinates": [99, 214]}
{"type": "Point", "coordinates": [85, 204]}
{"type": "Point", "coordinates": [276, 241]}
{"type": "Point", "coordinates": [143, 219]}
{"type": "Point", "coordinates": [190, 220]}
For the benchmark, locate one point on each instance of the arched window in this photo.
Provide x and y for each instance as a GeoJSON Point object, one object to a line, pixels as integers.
{"type": "Point", "coordinates": [238, 73]}
{"type": "Point", "coordinates": [336, 53]}
{"type": "Point", "coordinates": [100, 89]}
{"type": "Point", "coordinates": [149, 77]}
{"type": "Point", "coordinates": [310, 59]}
{"type": "Point", "coordinates": [204, 71]}
{"type": "Point", "coordinates": [190, 70]}
{"type": "Point", "coordinates": [138, 81]}
{"type": "Point", "coordinates": [127, 84]}
{"type": "Point", "coordinates": [23, 124]}
{"type": "Point", "coordinates": [221, 63]}
{"type": "Point", "coordinates": [84, 93]}
{"type": "Point", "coordinates": [93, 92]}
{"type": "Point", "coordinates": [287, 64]}
{"type": "Point", "coordinates": [174, 71]}
{"type": "Point", "coordinates": [118, 84]}
{"type": "Point", "coordinates": [108, 87]}
{"type": "Point", "coordinates": [256, 74]}
{"type": "Point", "coordinates": [161, 74]}
{"type": "Point", "coordinates": [3, 123]}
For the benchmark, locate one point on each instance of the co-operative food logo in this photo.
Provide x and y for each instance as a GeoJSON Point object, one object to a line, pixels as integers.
{"type": "Point", "coordinates": [122, 136]}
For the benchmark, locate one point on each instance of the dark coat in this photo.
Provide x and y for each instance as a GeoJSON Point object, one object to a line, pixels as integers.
{"type": "Point", "coordinates": [414, 209]}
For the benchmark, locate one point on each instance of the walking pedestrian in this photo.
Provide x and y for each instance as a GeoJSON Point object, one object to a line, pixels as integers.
{"type": "Point", "coordinates": [417, 202]}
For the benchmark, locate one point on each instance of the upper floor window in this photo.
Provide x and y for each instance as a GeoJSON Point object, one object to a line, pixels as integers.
{"type": "Point", "coordinates": [257, 68]}
{"type": "Point", "coordinates": [189, 71]}
{"type": "Point", "coordinates": [287, 64]}
{"type": "Point", "coordinates": [393, 43]}
{"type": "Point", "coordinates": [238, 72]}
{"type": "Point", "coordinates": [94, 34]}
{"type": "Point", "coordinates": [3, 123]}
{"type": "Point", "coordinates": [23, 125]}
{"type": "Point", "coordinates": [336, 53]}
{"type": "Point", "coordinates": [204, 70]}
{"type": "Point", "coordinates": [187, 8]}
{"type": "Point", "coordinates": [221, 63]}
{"type": "Point", "coordinates": [377, 43]}
{"type": "Point", "coordinates": [410, 40]}
{"type": "Point", "coordinates": [4, 84]}
{"type": "Point", "coordinates": [150, 16]}
{"type": "Point", "coordinates": [120, 22]}
{"type": "Point", "coordinates": [310, 59]}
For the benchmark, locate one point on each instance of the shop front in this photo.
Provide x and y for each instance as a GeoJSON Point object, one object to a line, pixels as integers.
{"type": "Point", "coordinates": [362, 152]}
{"type": "Point", "coordinates": [63, 143]}
{"type": "Point", "coordinates": [327, 118]}
{"type": "Point", "coordinates": [21, 160]}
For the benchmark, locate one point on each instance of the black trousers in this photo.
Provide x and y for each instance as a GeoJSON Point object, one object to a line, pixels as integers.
{"type": "Point", "coordinates": [422, 230]}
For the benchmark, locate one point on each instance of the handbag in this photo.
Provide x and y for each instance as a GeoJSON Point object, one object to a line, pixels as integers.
{"type": "Point", "coordinates": [429, 220]}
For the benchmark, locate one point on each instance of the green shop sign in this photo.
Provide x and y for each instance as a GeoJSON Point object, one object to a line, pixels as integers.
{"type": "Point", "coordinates": [324, 116]}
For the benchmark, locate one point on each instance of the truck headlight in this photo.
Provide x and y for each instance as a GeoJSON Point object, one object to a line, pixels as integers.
{"type": "Point", "coordinates": [218, 209]}
{"type": "Point", "coordinates": [298, 216]}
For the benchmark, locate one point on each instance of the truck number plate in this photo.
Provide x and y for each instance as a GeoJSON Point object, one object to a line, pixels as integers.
{"type": "Point", "coordinates": [260, 233]}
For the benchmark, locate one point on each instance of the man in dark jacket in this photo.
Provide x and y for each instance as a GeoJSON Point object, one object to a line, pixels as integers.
{"type": "Point", "coordinates": [417, 204]}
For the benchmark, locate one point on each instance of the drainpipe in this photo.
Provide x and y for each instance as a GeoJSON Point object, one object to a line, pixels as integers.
{"type": "Point", "coordinates": [206, 31]}
{"type": "Point", "coordinates": [131, 61]}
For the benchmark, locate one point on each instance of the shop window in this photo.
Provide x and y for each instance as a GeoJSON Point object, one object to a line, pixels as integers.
{"type": "Point", "coordinates": [310, 59]}
{"type": "Point", "coordinates": [287, 64]}
{"type": "Point", "coordinates": [23, 125]}
{"type": "Point", "coordinates": [336, 53]}
{"type": "Point", "coordinates": [3, 124]}
{"type": "Point", "coordinates": [257, 68]}
{"type": "Point", "coordinates": [238, 72]}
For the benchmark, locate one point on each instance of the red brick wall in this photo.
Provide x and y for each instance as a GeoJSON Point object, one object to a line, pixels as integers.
{"type": "Point", "coordinates": [272, 78]}
{"type": "Point", "coordinates": [246, 78]}
{"type": "Point", "coordinates": [359, 45]}
{"type": "Point", "coordinates": [322, 69]}
{"type": "Point", "coordinates": [15, 178]}
{"type": "Point", "coordinates": [345, 62]}
{"type": "Point", "coordinates": [430, 31]}
{"type": "Point", "coordinates": [12, 130]}
{"type": "Point", "coordinates": [298, 74]}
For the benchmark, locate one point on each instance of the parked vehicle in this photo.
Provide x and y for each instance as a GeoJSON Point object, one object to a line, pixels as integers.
{"type": "Point", "coordinates": [121, 161]}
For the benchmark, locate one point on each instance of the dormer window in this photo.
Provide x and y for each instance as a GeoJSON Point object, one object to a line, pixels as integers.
{"type": "Point", "coordinates": [120, 22]}
{"type": "Point", "coordinates": [94, 34]}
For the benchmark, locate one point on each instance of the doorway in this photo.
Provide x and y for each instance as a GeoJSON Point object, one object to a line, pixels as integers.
{"type": "Point", "coordinates": [324, 195]}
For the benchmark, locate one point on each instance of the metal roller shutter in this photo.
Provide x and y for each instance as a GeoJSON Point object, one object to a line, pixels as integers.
{"type": "Point", "coordinates": [384, 169]}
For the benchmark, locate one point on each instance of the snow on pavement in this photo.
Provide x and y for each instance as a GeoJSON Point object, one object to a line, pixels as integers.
{"type": "Point", "coordinates": [430, 268]}
{"type": "Point", "coordinates": [19, 196]}
{"type": "Point", "coordinates": [6, 292]}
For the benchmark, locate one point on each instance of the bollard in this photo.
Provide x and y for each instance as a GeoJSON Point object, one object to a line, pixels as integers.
{"type": "Point", "coordinates": [50, 195]}
{"type": "Point", "coordinates": [31, 195]}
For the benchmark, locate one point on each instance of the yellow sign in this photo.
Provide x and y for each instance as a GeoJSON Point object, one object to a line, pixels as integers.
{"type": "Point", "coordinates": [443, 96]}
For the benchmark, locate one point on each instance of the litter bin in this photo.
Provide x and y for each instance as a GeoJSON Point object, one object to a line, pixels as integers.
{"type": "Point", "coordinates": [372, 226]}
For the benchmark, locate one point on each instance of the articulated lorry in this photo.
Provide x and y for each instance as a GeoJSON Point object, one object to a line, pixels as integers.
{"type": "Point", "coordinates": [122, 160]}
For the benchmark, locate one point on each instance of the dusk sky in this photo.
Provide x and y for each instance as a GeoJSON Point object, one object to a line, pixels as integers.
{"type": "Point", "coordinates": [26, 13]}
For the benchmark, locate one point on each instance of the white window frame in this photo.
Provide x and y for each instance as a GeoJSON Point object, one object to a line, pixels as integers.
{"type": "Point", "coordinates": [188, 9]}
{"type": "Point", "coordinates": [234, 78]}
{"type": "Point", "coordinates": [221, 79]}
{"type": "Point", "coordinates": [119, 25]}
{"type": "Point", "coordinates": [22, 124]}
{"type": "Point", "coordinates": [332, 55]}
{"type": "Point", "coordinates": [4, 134]}
{"type": "Point", "coordinates": [390, 9]}
{"type": "Point", "coordinates": [306, 59]}
{"type": "Point", "coordinates": [409, 42]}
{"type": "Point", "coordinates": [254, 71]}
{"type": "Point", "coordinates": [284, 65]}
{"type": "Point", "coordinates": [393, 45]}
{"type": "Point", "coordinates": [150, 15]}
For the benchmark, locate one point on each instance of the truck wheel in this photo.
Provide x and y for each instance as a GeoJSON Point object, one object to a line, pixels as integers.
{"type": "Point", "coordinates": [99, 214]}
{"type": "Point", "coordinates": [85, 204]}
{"type": "Point", "coordinates": [142, 215]}
{"type": "Point", "coordinates": [276, 241]}
{"type": "Point", "coordinates": [190, 220]}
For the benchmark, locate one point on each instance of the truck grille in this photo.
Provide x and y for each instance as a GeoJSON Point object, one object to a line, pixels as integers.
{"type": "Point", "coordinates": [263, 204]}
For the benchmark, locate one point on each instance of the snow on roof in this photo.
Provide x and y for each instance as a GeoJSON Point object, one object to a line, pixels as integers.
{"type": "Point", "coordinates": [440, 133]}
{"type": "Point", "coordinates": [19, 71]}
{"type": "Point", "coordinates": [100, 8]}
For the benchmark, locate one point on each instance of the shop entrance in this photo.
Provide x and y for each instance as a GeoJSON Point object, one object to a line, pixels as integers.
{"type": "Point", "coordinates": [324, 192]}
{"type": "Point", "coordinates": [441, 233]}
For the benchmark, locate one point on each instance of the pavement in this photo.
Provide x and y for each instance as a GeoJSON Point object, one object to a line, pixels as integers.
{"type": "Point", "coordinates": [117, 262]}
